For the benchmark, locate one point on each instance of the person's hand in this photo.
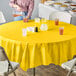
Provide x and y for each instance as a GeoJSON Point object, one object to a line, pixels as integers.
{"type": "Point", "coordinates": [27, 17]}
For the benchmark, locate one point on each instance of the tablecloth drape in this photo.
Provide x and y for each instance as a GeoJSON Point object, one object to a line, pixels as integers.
{"type": "Point", "coordinates": [40, 48]}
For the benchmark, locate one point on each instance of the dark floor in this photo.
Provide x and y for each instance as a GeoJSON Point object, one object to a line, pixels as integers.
{"type": "Point", "coordinates": [50, 70]}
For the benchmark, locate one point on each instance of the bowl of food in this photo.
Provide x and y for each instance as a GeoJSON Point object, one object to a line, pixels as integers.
{"type": "Point", "coordinates": [73, 5]}
{"type": "Point", "coordinates": [63, 7]}
{"type": "Point", "coordinates": [57, 5]}
{"type": "Point", "coordinates": [67, 3]}
{"type": "Point", "coordinates": [73, 12]}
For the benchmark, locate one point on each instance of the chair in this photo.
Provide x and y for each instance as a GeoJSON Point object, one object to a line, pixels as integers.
{"type": "Point", "coordinates": [62, 16]}
{"type": "Point", "coordinates": [6, 67]}
{"type": "Point", "coordinates": [70, 66]}
{"type": "Point", "coordinates": [2, 19]}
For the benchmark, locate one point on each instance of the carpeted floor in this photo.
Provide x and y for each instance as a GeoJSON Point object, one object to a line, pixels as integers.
{"type": "Point", "coordinates": [50, 70]}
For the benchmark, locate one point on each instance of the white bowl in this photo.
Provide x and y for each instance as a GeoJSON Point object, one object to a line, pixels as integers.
{"type": "Point", "coordinates": [56, 6]}
{"type": "Point", "coordinates": [63, 8]}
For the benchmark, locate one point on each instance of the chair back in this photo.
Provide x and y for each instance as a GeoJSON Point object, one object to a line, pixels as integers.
{"type": "Point", "coordinates": [62, 16]}
{"type": "Point", "coordinates": [2, 19]}
{"type": "Point", "coordinates": [2, 55]}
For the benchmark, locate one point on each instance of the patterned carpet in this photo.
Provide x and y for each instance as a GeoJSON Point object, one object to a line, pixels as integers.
{"type": "Point", "coordinates": [49, 70]}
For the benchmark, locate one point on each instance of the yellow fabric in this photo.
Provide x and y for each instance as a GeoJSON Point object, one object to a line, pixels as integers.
{"type": "Point", "coordinates": [41, 48]}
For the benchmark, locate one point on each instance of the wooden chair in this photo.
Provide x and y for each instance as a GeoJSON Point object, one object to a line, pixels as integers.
{"type": "Point", "coordinates": [6, 67]}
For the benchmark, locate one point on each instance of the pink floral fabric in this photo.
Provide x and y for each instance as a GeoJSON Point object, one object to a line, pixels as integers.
{"type": "Point", "coordinates": [26, 5]}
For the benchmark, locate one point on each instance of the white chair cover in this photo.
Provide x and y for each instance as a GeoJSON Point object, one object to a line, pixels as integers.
{"type": "Point", "coordinates": [3, 67]}
{"type": "Point", "coordinates": [68, 65]}
{"type": "Point", "coordinates": [62, 16]}
{"type": "Point", "coordinates": [2, 19]}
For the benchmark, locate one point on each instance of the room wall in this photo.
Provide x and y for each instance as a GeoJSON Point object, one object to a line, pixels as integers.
{"type": "Point", "coordinates": [7, 11]}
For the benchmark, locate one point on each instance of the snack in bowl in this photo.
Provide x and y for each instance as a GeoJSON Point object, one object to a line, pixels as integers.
{"type": "Point", "coordinates": [64, 6]}
{"type": "Point", "coordinates": [57, 5]}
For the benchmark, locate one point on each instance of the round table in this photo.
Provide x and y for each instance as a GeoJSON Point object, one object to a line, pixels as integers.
{"type": "Point", "coordinates": [38, 48]}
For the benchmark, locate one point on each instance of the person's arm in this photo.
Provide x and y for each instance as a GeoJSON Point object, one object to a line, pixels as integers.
{"type": "Point", "coordinates": [30, 9]}
{"type": "Point", "coordinates": [12, 4]}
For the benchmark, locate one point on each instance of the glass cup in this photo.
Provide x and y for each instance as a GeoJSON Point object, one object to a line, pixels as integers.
{"type": "Point", "coordinates": [57, 22]}
{"type": "Point", "coordinates": [61, 30]}
{"type": "Point", "coordinates": [43, 20]}
{"type": "Point", "coordinates": [24, 32]}
{"type": "Point", "coordinates": [37, 20]}
{"type": "Point", "coordinates": [25, 20]}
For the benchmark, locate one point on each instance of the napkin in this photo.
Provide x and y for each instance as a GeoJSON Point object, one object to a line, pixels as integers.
{"type": "Point", "coordinates": [31, 29]}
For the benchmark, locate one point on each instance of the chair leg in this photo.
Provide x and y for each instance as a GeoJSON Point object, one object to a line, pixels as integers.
{"type": "Point", "coordinates": [71, 20]}
{"type": "Point", "coordinates": [33, 71]}
{"type": "Point", "coordinates": [14, 73]}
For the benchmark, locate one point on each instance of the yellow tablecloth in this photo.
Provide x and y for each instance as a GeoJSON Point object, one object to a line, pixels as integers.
{"type": "Point", "coordinates": [41, 48]}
